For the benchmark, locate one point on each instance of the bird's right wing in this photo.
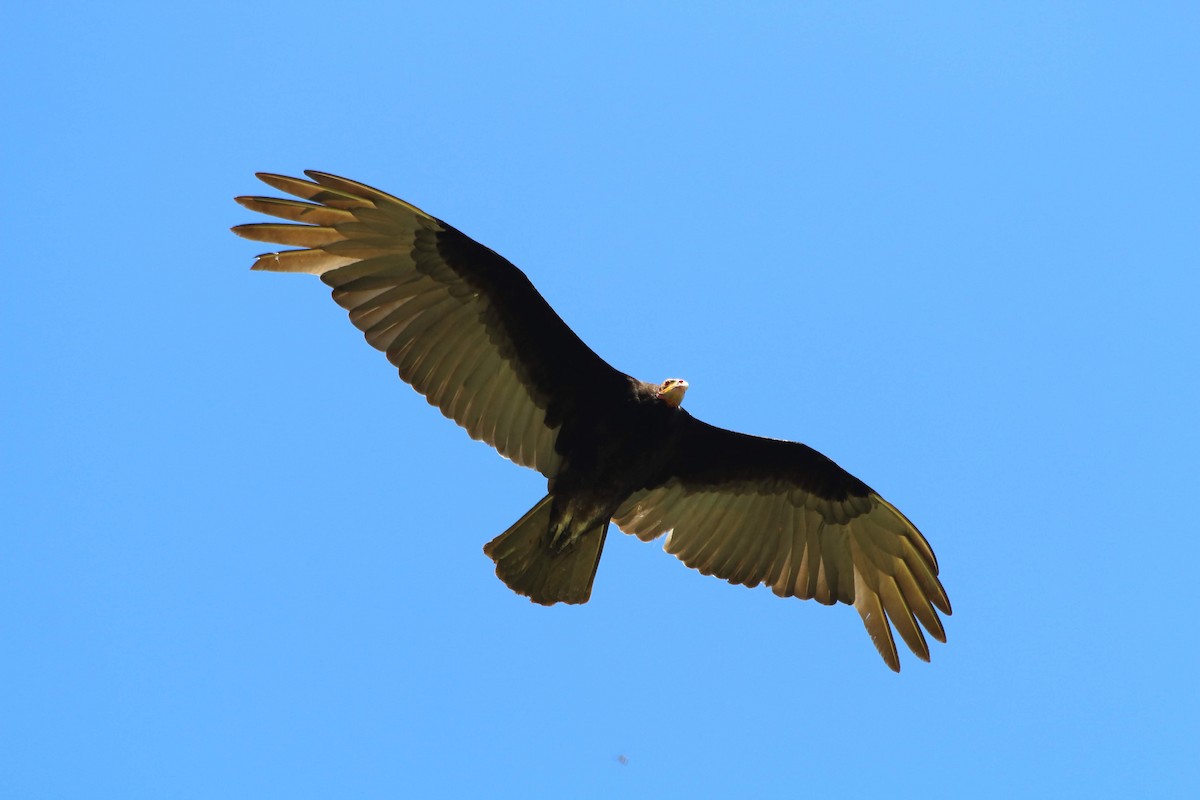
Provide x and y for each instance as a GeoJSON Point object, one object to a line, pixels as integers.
{"type": "Point", "coordinates": [464, 326]}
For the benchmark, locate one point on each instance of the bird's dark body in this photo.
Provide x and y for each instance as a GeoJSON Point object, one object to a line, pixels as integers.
{"type": "Point", "coordinates": [469, 331]}
{"type": "Point", "coordinates": [610, 451]}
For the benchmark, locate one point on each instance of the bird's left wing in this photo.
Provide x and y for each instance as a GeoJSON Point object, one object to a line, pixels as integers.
{"type": "Point", "coordinates": [754, 510]}
{"type": "Point", "coordinates": [464, 326]}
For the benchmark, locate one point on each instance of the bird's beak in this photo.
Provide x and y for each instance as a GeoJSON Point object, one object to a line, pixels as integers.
{"type": "Point", "coordinates": [674, 393]}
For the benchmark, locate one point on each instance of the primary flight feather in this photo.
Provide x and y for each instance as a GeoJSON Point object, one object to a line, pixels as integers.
{"type": "Point", "coordinates": [469, 331]}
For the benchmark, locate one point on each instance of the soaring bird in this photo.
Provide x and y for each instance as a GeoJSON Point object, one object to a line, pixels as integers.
{"type": "Point", "coordinates": [467, 330]}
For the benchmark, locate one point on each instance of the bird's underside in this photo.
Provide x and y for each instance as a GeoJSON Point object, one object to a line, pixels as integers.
{"type": "Point", "coordinates": [468, 330]}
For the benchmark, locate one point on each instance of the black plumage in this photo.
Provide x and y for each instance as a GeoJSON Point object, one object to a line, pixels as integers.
{"type": "Point", "coordinates": [469, 331]}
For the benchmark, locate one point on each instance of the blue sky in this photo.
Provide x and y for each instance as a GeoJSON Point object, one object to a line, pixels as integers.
{"type": "Point", "coordinates": [953, 246]}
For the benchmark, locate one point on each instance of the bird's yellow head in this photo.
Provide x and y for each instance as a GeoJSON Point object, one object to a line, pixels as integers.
{"type": "Point", "coordinates": [672, 390]}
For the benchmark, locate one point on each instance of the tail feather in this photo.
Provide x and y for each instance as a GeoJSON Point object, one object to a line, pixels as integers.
{"type": "Point", "coordinates": [531, 566]}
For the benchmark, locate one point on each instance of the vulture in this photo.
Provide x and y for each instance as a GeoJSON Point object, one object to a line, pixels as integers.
{"type": "Point", "coordinates": [468, 330]}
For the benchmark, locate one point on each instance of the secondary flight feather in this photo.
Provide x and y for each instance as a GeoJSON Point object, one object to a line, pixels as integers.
{"type": "Point", "coordinates": [469, 331]}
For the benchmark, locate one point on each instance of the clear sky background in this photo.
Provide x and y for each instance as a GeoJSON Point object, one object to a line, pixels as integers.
{"type": "Point", "coordinates": [953, 246]}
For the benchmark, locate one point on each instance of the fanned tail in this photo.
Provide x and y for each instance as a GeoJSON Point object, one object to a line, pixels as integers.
{"type": "Point", "coordinates": [531, 566]}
